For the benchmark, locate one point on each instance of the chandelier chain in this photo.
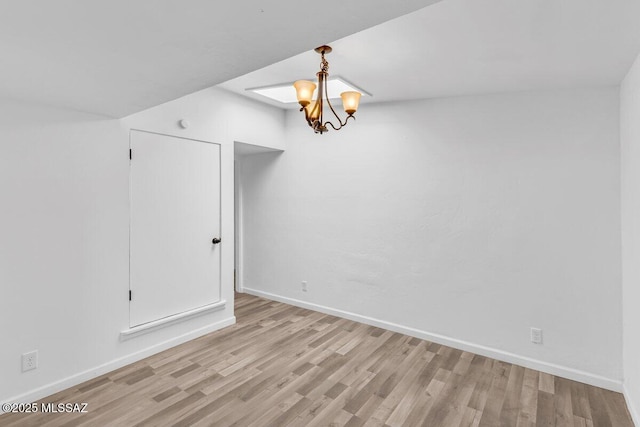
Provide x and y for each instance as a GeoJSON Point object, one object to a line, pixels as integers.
{"type": "Point", "coordinates": [324, 65]}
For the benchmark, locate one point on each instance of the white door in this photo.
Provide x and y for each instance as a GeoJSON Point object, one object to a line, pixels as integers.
{"type": "Point", "coordinates": [175, 216]}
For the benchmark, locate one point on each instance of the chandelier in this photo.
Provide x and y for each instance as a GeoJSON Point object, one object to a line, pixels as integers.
{"type": "Point", "coordinates": [314, 109]}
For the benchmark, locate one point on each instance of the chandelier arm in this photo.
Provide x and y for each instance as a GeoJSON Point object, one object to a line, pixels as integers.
{"type": "Point", "coordinates": [334, 128]}
{"type": "Point", "coordinates": [334, 113]}
{"type": "Point", "coordinates": [332, 110]}
{"type": "Point", "coordinates": [306, 116]}
{"type": "Point", "coordinates": [350, 116]}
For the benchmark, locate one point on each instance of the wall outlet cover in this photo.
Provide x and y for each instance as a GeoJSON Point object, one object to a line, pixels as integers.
{"type": "Point", "coordinates": [536, 335]}
{"type": "Point", "coordinates": [30, 361]}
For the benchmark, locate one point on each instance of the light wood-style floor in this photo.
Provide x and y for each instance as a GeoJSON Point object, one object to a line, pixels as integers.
{"type": "Point", "coordinates": [286, 366]}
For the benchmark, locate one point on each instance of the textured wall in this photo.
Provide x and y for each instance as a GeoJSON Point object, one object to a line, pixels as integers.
{"type": "Point", "coordinates": [473, 218]}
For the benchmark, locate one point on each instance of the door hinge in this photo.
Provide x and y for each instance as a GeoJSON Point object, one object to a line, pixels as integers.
{"type": "Point", "coordinates": [129, 295]}
{"type": "Point", "coordinates": [130, 154]}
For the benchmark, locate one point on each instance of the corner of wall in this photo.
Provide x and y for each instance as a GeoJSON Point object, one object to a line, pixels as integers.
{"type": "Point", "coordinates": [630, 230]}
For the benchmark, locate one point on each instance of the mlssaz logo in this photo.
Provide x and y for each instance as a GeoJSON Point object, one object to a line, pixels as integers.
{"type": "Point", "coordinates": [64, 407]}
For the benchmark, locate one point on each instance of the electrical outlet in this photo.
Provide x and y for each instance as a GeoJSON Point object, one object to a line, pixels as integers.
{"type": "Point", "coordinates": [304, 286]}
{"type": "Point", "coordinates": [536, 336]}
{"type": "Point", "coordinates": [29, 361]}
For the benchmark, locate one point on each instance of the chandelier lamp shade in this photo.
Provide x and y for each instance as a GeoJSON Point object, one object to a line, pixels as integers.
{"type": "Point", "coordinates": [314, 109]}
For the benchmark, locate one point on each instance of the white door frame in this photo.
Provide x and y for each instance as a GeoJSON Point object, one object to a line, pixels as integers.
{"type": "Point", "coordinates": [238, 220]}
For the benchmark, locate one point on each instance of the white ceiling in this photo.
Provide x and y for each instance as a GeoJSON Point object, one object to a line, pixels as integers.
{"type": "Point", "coordinates": [118, 57]}
{"type": "Point", "coordinates": [458, 47]}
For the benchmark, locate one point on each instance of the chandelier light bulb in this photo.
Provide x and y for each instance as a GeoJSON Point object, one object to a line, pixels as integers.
{"type": "Point", "coordinates": [304, 91]}
{"type": "Point", "coordinates": [313, 110]}
{"type": "Point", "coordinates": [350, 101]}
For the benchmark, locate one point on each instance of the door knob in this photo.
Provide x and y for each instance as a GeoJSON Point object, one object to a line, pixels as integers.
{"type": "Point", "coordinates": [216, 240]}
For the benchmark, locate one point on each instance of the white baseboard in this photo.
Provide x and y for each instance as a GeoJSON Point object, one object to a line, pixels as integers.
{"type": "Point", "coordinates": [632, 409]}
{"type": "Point", "coordinates": [171, 320]}
{"type": "Point", "coordinates": [527, 362]}
{"type": "Point", "coordinates": [89, 374]}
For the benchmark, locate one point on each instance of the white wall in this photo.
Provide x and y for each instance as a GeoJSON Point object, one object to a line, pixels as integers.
{"type": "Point", "coordinates": [64, 221]}
{"type": "Point", "coordinates": [464, 220]}
{"type": "Point", "coordinates": [216, 115]}
{"type": "Point", "coordinates": [630, 142]}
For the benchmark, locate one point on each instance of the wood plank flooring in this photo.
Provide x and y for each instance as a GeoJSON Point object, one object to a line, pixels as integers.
{"type": "Point", "coordinates": [285, 366]}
